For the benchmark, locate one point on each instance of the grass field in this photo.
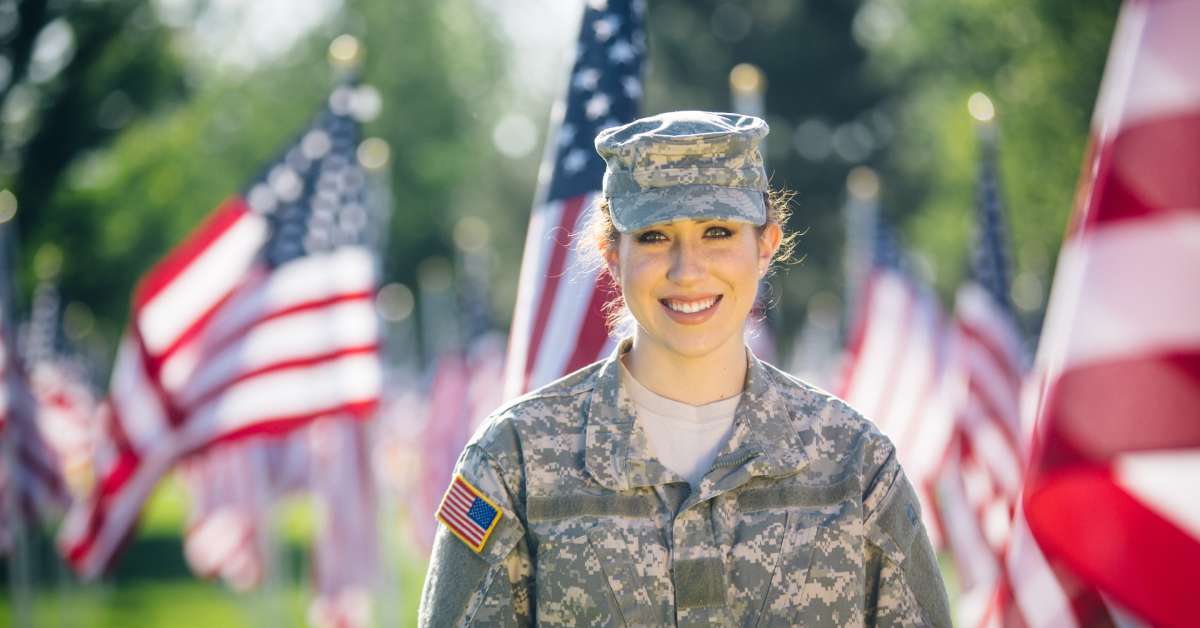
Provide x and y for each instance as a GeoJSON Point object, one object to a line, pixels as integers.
{"type": "Point", "coordinates": [151, 585]}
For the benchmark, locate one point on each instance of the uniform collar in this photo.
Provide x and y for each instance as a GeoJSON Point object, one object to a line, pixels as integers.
{"type": "Point", "coordinates": [764, 440]}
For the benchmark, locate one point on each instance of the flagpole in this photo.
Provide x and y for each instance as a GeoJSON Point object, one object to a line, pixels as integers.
{"type": "Point", "coordinates": [19, 565]}
{"type": "Point", "coordinates": [747, 90]}
{"type": "Point", "coordinates": [862, 215]}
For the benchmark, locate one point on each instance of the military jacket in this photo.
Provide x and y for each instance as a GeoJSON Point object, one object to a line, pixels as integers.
{"type": "Point", "coordinates": [805, 518]}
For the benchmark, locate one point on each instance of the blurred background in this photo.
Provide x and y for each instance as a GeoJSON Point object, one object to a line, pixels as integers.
{"type": "Point", "coordinates": [124, 123]}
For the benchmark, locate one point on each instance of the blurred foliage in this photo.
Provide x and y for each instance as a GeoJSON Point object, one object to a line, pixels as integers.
{"type": "Point", "coordinates": [120, 152]}
{"type": "Point", "coordinates": [122, 204]}
{"type": "Point", "coordinates": [885, 83]}
{"type": "Point", "coordinates": [1040, 61]}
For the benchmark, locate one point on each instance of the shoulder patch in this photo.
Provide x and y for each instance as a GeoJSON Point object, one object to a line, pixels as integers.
{"type": "Point", "coordinates": [468, 513]}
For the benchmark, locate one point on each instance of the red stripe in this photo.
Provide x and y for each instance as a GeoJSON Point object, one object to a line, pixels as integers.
{"type": "Point", "coordinates": [283, 424]}
{"type": "Point", "coordinates": [1006, 425]}
{"type": "Point", "coordinates": [462, 526]}
{"type": "Point", "coordinates": [165, 271]}
{"type": "Point", "coordinates": [1110, 539]}
{"type": "Point", "coordinates": [1003, 364]}
{"type": "Point", "coordinates": [858, 336]}
{"type": "Point", "coordinates": [1094, 412]}
{"type": "Point", "coordinates": [561, 236]}
{"type": "Point", "coordinates": [898, 358]}
{"type": "Point", "coordinates": [282, 365]}
{"type": "Point", "coordinates": [1148, 168]}
{"type": "Point", "coordinates": [593, 331]}
{"type": "Point", "coordinates": [217, 345]}
{"type": "Point", "coordinates": [459, 500]}
{"type": "Point", "coordinates": [459, 503]}
{"type": "Point", "coordinates": [455, 511]}
{"type": "Point", "coordinates": [197, 327]}
{"type": "Point", "coordinates": [151, 366]}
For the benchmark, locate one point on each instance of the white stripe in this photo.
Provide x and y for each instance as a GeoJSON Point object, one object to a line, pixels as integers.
{"type": "Point", "coordinates": [991, 448]}
{"type": "Point", "coordinates": [534, 261]}
{"type": "Point", "coordinates": [288, 392]}
{"type": "Point", "coordinates": [1167, 481]}
{"type": "Point", "coordinates": [878, 355]}
{"type": "Point", "coordinates": [300, 335]}
{"type": "Point", "coordinates": [1036, 589]}
{"type": "Point", "coordinates": [123, 509]}
{"type": "Point", "coordinates": [460, 501]}
{"type": "Point", "coordinates": [1111, 281]}
{"type": "Point", "coordinates": [464, 527]}
{"type": "Point", "coordinates": [974, 307]}
{"type": "Point", "coordinates": [142, 416]}
{"type": "Point", "coordinates": [561, 337]}
{"type": "Point", "coordinates": [205, 281]}
{"type": "Point", "coordinates": [571, 300]}
{"type": "Point", "coordinates": [303, 280]}
{"type": "Point", "coordinates": [979, 568]}
{"type": "Point", "coordinates": [1151, 70]}
{"type": "Point", "coordinates": [993, 385]}
{"type": "Point", "coordinates": [464, 523]}
{"type": "Point", "coordinates": [916, 377]}
{"type": "Point", "coordinates": [306, 280]}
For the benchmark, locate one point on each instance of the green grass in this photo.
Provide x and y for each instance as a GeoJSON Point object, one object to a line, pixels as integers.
{"type": "Point", "coordinates": [152, 586]}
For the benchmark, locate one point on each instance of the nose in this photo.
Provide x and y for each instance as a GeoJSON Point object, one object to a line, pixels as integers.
{"type": "Point", "coordinates": [687, 263]}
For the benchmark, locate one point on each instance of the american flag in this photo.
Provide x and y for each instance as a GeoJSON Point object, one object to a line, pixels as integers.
{"type": "Point", "coordinates": [898, 358]}
{"type": "Point", "coordinates": [558, 324]}
{"type": "Point", "coordinates": [259, 321]}
{"type": "Point", "coordinates": [1004, 577]}
{"type": "Point", "coordinates": [234, 486]}
{"type": "Point", "coordinates": [31, 483]}
{"type": "Point", "coordinates": [1112, 490]}
{"type": "Point", "coordinates": [468, 513]}
{"type": "Point", "coordinates": [979, 485]}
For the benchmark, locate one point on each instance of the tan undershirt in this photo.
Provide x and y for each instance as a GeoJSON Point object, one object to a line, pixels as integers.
{"type": "Point", "coordinates": [685, 438]}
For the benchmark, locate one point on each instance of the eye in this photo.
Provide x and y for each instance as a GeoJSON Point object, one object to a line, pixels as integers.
{"type": "Point", "coordinates": [651, 237]}
{"type": "Point", "coordinates": [718, 232]}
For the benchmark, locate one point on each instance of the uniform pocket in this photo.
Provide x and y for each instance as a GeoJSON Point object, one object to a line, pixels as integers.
{"type": "Point", "coordinates": [810, 543]}
{"type": "Point", "coordinates": [587, 577]}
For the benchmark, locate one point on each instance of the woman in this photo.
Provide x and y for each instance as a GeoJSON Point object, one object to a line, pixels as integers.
{"type": "Point", "coordinates": [682, 481]}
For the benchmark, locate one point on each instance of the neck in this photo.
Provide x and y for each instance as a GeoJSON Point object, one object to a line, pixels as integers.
{"type": "Point", "coordinates": [719, 374]}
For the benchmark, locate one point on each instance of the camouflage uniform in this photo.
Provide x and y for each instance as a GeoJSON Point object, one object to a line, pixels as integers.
{"type": "Point", "coordinates": [805, 518]}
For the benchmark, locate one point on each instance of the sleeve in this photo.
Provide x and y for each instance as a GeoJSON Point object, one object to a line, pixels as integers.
{"type": "Point", "coordinates": [485, 584]}
{"type": "Point", "coordinates": [904, 583]}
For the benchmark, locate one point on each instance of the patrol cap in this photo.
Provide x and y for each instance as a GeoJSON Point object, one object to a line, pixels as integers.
{"type": "Point", "coordinates": [684, 164]}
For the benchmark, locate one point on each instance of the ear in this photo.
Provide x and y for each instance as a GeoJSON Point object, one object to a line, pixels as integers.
{"type": "Point", "coordinates": [769, 239]}
{"type": "Point", "coordinates": [612, 260]}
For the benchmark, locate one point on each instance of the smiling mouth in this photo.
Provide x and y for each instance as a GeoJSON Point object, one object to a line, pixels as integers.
{"type": "Point", "coordinates": [690, 307]}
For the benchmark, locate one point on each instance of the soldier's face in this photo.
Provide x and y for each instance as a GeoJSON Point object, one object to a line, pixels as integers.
{"type": "Point", "coordinates": [690, 284]}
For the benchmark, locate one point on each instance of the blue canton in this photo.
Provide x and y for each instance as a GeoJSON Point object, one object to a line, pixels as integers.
{"type": "Point", "coordinates": [482, 513]}
{"type": "Point", "coordinates": [606, 85]}
{"type": "Point", "coordinates": [315, 195]}
{"type": "Point", "coordinates": [989, 257]}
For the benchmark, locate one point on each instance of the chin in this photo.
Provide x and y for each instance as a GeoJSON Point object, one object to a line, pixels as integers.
{"type": "Point", "coordinates": [696, 345]}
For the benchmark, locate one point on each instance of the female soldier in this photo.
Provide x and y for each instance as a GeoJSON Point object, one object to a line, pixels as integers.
{"type": "Point", "coordinates": [682, 481]}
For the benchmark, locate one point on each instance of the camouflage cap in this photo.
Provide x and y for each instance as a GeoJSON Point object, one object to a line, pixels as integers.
{"type": "Point", "coordinates": [684, 164]}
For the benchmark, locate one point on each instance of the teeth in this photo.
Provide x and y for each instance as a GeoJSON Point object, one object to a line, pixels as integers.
{"type": "Point", "coordinates": [691, 307]}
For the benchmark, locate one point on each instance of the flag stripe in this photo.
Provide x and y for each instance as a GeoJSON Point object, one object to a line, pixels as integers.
{"type": "Point", "coordinates": [559, 238]}
{"type": "Point", "coordinates": [1110, 282]}
{"type": "Point", "coordinates": [1141, 573]}
{"type": "Point", "coordinates": [351, 324]}
{"type": "Point", "coordinates": [206, 281]}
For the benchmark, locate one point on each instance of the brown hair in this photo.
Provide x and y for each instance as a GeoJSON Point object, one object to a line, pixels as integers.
{"type": "Point", "coordinates": [599, 233]}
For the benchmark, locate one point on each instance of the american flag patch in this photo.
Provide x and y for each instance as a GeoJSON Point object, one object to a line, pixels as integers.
{"type": "Point", "coordinates": [468, 514]}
